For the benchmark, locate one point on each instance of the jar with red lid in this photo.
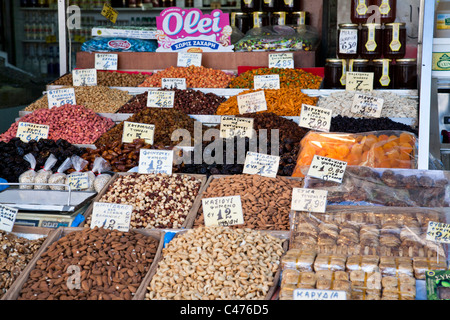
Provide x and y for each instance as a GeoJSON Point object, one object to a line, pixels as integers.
{"type": "Point", "coordinates": [335, 74]}
{"type": "Point", "coordinates": [289, 5]}
{"type": "Point", "coordinates": [388, 10]}
{"type": "Point", "coordinates": [405, 74]}
{"type": "Point", "coordinates": [347, 42]}
{"type": "Point", "coordinates": [394, 40]}
{"type": "Point", "coordinates": [359, 11]}
{"type": "Point", "coordinates": [383, 74]}
{"type": "Point", "coordinates": [370, 41]}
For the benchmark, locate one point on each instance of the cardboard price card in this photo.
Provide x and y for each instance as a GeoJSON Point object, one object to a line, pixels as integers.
{"type": "Point", "coordinates": [252, 102]}
{"type": "Point", "coordinates": [160, 99]}
{"type": "Point", "coordinates": [135, 130]}
{"type": "Point", "coordinates": [327, 169]}
{"type": "Point", "coordinates": [231, 126]}
{"type": "Point", "coordinates": [315, 118]}
{"type": "Point", "coordinates": [281, 60]}
{"type": "Point", "coordinates": [269, 81]}
{"type": "Point", "coordinates": [32, 131]}
{"type": "Point", "coordinates": [7, 217]}
{"type": "Point", "coordinates": [438, 232]}
{"type": "Point", "coordinates": [79, 180]}
{"type": "Point", "coordinates": [155, 161]}
{"type": "Point", "coordinates": [359, 81]}
{"type": "Point", "coordinates": [223, 211]}
{"type": "Point", "coordinates": [61, 97]}
{"type": "Point", "coordinates": [106, 61]}
{"type": "Point", "coordinates": [261, 164]}
{"type": "Point", "coordinates": [310, 200]}
{"type": "Point", "coordinates": [316, 294]}
{"type": "Point", "coordinates": [109, 12]}
{"type": "Point", "coordinates": [186, 59]}
{"type": "Point", "coordinates": [84, 77]}
{"type": "Point", "coordinates": [173, 83]}
{"type": "Point", "coordinates": [111, 216]}
{"type": "Point", "coordinates": [367, 105]}
{"type": "Point", "coordinates": [348, 41]}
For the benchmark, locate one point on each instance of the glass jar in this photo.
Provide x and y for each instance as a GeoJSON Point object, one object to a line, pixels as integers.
{"type": "Point", "coordinates": [250, 5]}
{"type": "Point", "coordinates": [388, 10]}
{"type": "Point", "coordinates": [298, 18]}
{"type": "Point", "coordinates": [383, 74]}
{"type": "Point", "coordinates": [359, 65]}
{"type": "Point", "coordinates": [269, 5]}
{"type": "Point", "coordinates": [405, 74]}
{"type": "Point", "coordinates": [278, 18]}
{"type": "Point", "coordinates": [359, 11]}
{"type": "Point", "coordinates": [347, 43]}
{"type": "Point", "coordinates": [260, 19]}
{"type": "Point", "coordinates": [394, 40]}
{"type": "Point", "coordinates": [241, 21]}
{"type": "Point", "coordinates": [188, 3]}
{"type": "Point", "coordinates": [335, 72]}
{"type": "Point", "coordinates": [370, 41]}
{"type": "Point", "coordinates": [289, 5]}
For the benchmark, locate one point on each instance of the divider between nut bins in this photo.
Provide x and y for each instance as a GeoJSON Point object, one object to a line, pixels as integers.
{"type": "Point", "coordinates": [192, 212]}
{"type": "Point", "coordinates": [140, 294]}
{"type": "Point", "coordinates": [14, 292]}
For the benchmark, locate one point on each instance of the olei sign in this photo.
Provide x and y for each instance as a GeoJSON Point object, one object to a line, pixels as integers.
{"type": "Point", "coordinates": [189, 30]}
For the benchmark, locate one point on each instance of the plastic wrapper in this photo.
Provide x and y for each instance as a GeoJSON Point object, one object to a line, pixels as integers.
{"type": "Point", "coordinates": [333, 262]}
{"type": "Point", "coordinates": [44, 174]}
{"type": "Point", "coordinates": [279, 38]}
{"type": "Point", "coordinates": [99, 181]}
{"type": "Point", "coordinates": [119, 44]}
{"type": "Point", "coordinates": [375, 231]}
{"type": "Point", "coordinates": [236, 35]}
{"type": "Point", "coordinates": [78, 164]}
{"type": "Point", "coordinates": [59, 177]}
{"type": "Point", "coordinates": [29, 175]}
{"type": "Point", "coordinates": [398, 288]}
{"type": "Point", "coordinates": [421, 265]}
{"type": "Point", "coordinates": [298, 260]}
{"type": "Point", "coordinates": [387, 187]}
{"type": "Point", "coordinates": [377, 149]}
{"type": "Point", "coordinates": [367, 264]}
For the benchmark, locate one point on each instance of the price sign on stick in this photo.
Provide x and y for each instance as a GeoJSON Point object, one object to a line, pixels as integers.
{"type": "Point", "coordinates": [111, 216]}
{"type": "Point", "coordinates": [173, 83]}
{"type": "Point", "coordinates": [84, 77]}
{"type": "Point", "coordinates": [160, 99]}
{"type": "Point", "coordinates": [315, 118]}
{"type": "Point", "coordinates": [60, 97]}
{"type": "Point", "coordinates": [106, 61]}
{"type": "Point", "coordinates": [269, 81]}
{"type": "Point", "coordinates": [367, 105]}
{"type": "Point", "coordinates": [186, 59]}
{"type": "Point", "coordinates": [155, 161]}
{"type": "Point", "coordinates": [359, 81]}
{"type": "Point", "coordinates": [281, 60]}
{"type": "Point", "coordinates": [327, 169]}
{"type": "Point", "coordinates": [7, 218]}
{"type": "Point", "coordinates": [252, 102]}
{"type": "Point", "coordinates": [32, 131]}
{"type": "Point", "coordinates": [231, 126]}
{"type": "Point", "coordinates": [109, 12]}
{"type": "Point", "coordinates": [311, 200]}
{"type": "Point", "coordinates": [261, 164]}
{"type": "Point", "coordinates": [78, 180]}
{"type": "Point", "coordinates": [222, 211]}
{"type": "Point", "coordinates": [438, 232]}
{"type": "Point", "coordinates": [135, 130]}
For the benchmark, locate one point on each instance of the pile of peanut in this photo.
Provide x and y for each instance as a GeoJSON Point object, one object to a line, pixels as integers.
{"type": "Point", "coordinates": [217, 263]}
{"type": "Point", "coordinates": [110, 265]}
{"type": "Point", "coordinates": [266, 202]}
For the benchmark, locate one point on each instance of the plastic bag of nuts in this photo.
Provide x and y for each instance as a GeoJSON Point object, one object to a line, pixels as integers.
{"type": "Point", "coordinates": [29, 175]}
{"type": "Point", "coordinates": [100, 165]}
{"type": "Point", "coordinates": [44, 174]}
{"type": "Point", "coordinates": [59, 177]}
{"type": "Point", "coordinates": [78, 164]}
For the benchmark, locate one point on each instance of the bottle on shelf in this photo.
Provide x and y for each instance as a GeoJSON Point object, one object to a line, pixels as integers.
{"type": "Point", "coordinates": [42, 61]}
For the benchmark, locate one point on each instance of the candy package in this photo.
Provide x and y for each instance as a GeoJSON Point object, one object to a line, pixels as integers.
{"type": "Point", "coordinates": [118, 44]}
{"type": "Point", "coordinates": [29, 175]}
{"type": "Point", "coordinates": [44, 174]}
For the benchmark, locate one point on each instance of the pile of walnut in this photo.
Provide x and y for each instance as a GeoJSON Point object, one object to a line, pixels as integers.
{"type": "Point", "coordinates": [15, 253]}
{"type": "Point", "coordinates": [217, 263]}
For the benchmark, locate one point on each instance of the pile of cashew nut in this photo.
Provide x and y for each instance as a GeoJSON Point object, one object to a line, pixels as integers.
{"type": "Point", "coordinates": [217, 263]}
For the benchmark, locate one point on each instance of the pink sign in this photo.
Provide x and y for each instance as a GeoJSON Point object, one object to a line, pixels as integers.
{"type": "Point", "coordinates": [190, 30]}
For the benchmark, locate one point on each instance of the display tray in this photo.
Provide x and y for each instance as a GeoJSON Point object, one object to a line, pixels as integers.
{"type": "Point", "coordinates": [14, 291]}
{"type": "Point", "coordinates": [195, 206]}
{"type": "Point", "coordinates": [140, 294]}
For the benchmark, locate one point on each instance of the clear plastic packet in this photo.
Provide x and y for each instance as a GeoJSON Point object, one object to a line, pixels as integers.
{"type": "Point", "coordinates": [298, 260]}
{"type": "Point", "coordinates": [59, 177]}
{"type": "Point", "coordinates": [119, 44]}
{"type": "Point", "coordinates": [376, 149]}
{"type": "Point", "coordinates": [422, 264]}
{"type": "Point", "coordinates": [78, 164]}
{"type": "Point", "coordinates": [44, 174]}
{"type": "Point", "coordinates": [100, 165]}
{"type": "Point", "coordinates": [29, 175]}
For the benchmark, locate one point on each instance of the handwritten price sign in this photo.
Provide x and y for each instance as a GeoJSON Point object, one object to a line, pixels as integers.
{"type": "Point", "coordinates": [327, 169]}
{"type": "Point", "coordinates": [109, 12]}
{"type": "Point", "coordinates": [281, 60]}
{"type": "Point", "coordinates": [222, 211]}
{"type": "Point", "coordinates": [106, 61]}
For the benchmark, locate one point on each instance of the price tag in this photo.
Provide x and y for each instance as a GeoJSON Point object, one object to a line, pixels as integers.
{"type": "Point", "coordinates": [111, 216]}
{"type": "Point", "coordinates": [84, 77]}
{"type": "Point", "coordinates": [160, 99]}
{"type": "Point", "coordinates": [223, 211]}
{"type": "Point", "coordinates": [32, 131]}
{"type": "Point", "coordinates": [236, 127]}
{"type": "Point", "coordinates": [78, 180]}
{"type": "Point", "coordinates": [327, 169]}
{"type": "Point", "coordinates": [7, 217]}
{"type": "Point", "coordinates": [155, 161]}
{"type": "Point", "coordinates": [261, 164]}
{"type": "Point", "coordinates": [109, 12]}
{"type": "Point", "coordinates": [438, 232]}
{"type": "Point", "coordinates": [359, 81]}
{"type": "Point", "coordinates": [58, 98]}
{"type": "Point", "coordinates": [186, 59]}
{"type": "Point", "coordinates": [316, 294]}
{"type": "Point", "coordinates": [106, 61]}
{"type": "Point", "coordinates": [348, 41]}
{"type": "Point", "coordinates": [173, 83]}
{"type": "Point", "coordinates": [252, 102]}
{"type": "Point", "coordinates": [310, 200]}
{"type": "Point", "coordinates": [281, 60]}
{"type": "Point", "coordinates": [135, 130]}
{"type": "Point", "coordinates": [269, 81]}
{"type": "Point", "coordinates": [367, 105]}
{"type": "Point", "coordinates": [315, 118]}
